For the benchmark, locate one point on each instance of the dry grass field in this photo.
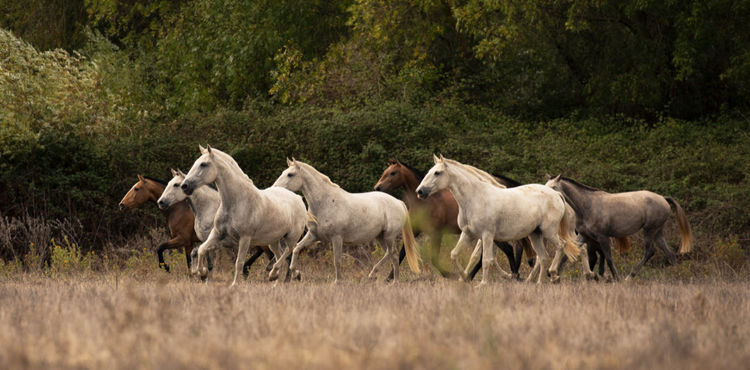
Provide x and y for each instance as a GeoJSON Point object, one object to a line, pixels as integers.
{"type": "Point", "coordinates": [165, 321]}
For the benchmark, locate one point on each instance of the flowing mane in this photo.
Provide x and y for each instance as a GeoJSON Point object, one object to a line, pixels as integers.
{"type": "Point", "coordinates": [313, 171]}
{"type": "Point", "coordinates": [231, 163]}
{"type": "Point", "coordinates": [578, 184]}
{"type": "Point", "coordinates": [476, 173]}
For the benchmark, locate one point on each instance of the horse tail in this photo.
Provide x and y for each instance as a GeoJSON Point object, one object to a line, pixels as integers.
{"type": "Point", "coordinates": [410, 245]}
{"type": "Point", "coordinates": [570, 247]}
{"type": "Point", "coordinates": [686, 232]}
{"type": "Point", "coordinates": [622, 244]}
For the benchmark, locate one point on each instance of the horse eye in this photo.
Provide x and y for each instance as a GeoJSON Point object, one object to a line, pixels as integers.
{"type": "Point", "coordinates": [438, 173]}
{"type": "Point", "coordinates": [136, 189]}
{"type": "Point", "coordinates": [393, 173]}
{"type": "Point", "coordinates": [289, 175]}
{"type": "Point", "coordinates": [176, 185]}
{"type": "Point", "coordinates": [204, 164]}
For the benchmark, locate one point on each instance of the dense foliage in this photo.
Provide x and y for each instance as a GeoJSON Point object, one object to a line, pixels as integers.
{"type": "Point", "coordinates": [622, 95]}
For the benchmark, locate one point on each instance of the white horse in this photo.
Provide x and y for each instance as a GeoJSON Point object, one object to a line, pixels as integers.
{"type": "Point", "coordinates": [489, 212]}
{"type": "Point", "coordinates": [342, 218]}
{"type": "Point", "coordinates": [247, 215]}
{"type": "Point", "coordinates": [204, 202]}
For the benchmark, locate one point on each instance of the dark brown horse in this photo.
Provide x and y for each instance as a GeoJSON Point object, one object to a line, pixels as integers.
{"type": "Point", "coordinates": [180, 220]}
{"type": "Point", "coordinates": [438, 214]}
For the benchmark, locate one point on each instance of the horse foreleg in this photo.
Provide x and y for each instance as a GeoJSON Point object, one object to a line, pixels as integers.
{"type": "Point", "coordinates": [401, 256]}
{"type": "Point", "coordinates": [463, 241]}
{"type": "Point", "coordinates": [508, 250]}
{"type": "Point", "coordinates": [173, 243]}
{"type": "Point", "coordinates": [257, 252]}
{"type": "Point", "coordinates": [337, 243]}
{"type": "Point", "coordinates": [475, 261]}
{"type": "Point", "coordinates": [244, 245]}
{"type": "Point", "coordinates": [280, 259]}
{"type": "Point", "coordinates": [606, 251]}
{"type": "Point", "coordinates": [307, 240]}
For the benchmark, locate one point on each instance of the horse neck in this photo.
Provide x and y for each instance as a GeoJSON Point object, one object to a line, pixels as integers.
{"type": "Point", "coordinates": [233, 186]}
{"type": "Point", "coordinates": [411, 182]}
{"type": "Point", "coordinates": [155, 190]}
{"type": "Point", "coordinates": [576, 197]}
{"type": "Point", "coordinates": [204, 198]}
{"type": "Point", "coordinates": [317, 191]}
{"type": "Point", "coordinates": [465, 189]}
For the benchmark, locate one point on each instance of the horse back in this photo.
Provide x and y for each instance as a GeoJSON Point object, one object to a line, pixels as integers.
{"type": "Point", "coordinates": [623, 214]}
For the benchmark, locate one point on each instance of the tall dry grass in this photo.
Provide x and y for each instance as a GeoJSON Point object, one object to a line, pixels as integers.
{"type": "Point", "coordinates": [171, 321]}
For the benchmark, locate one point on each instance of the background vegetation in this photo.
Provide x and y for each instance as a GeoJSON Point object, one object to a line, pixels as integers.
{"type": "Point", "coordinates": [622, 95]}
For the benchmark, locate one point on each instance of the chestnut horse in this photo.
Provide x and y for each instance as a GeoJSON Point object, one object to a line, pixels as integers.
{"type": "Point", "coordinates": [180, 220]}
{"type": "Point", "coordinates": [438, 214]}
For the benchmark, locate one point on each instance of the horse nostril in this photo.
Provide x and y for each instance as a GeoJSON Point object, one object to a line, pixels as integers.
{"type": "Point", "coordinates": [420, 192]}
{"type": "Point", "coordinates": [183, 186]}
{"type": "Point", "coordinates": [377, 188]}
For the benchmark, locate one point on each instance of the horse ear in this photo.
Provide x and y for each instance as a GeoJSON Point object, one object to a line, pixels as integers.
{"type": "Point", "coordinates": [548, 176]}
{"type": "Point", "coordinates": [435, 159]}
{"type": "Point", "coordinates": [442, 158]}
{"type": "Point", "coordinates": [289, 162]}
{"type": "Point", "coordinates": [203, 150]}
{"type": "Point", "coordinates": [208, 148]}
{"type": "Point", "coordinates": [140, 178]}
{"type": "Point", "coordinates": [558, 177]}
{"type": "Point", "coordinates": [392, 161]}
{"type": "Point", "coordinates": [174, 173]}
{"type": "Point", "coordinates": [179, 172]}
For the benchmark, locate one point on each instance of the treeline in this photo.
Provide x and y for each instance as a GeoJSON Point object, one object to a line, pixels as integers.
{"type": "Point", "coordinates": [622, 95]}
{"type": "Point", "coordinates": [543, 58]}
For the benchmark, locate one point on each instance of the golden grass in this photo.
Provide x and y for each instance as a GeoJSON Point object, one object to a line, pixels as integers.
{"type": "Point", "coordinates": [171, 321]}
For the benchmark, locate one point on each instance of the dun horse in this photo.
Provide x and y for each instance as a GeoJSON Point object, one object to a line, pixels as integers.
{"type": "Point", "coordinates": [247, 216]}
{"type": "Point", "coordinates": [602, 215]}
{"type": "Point", "coordinates": [490, 212]}
{"type": "Point", "coordinates": [203, 202]}
{"type": "Point", "coordinates": [438, 213]}
{"type": "Point", "coordinates": [342, 218]}
{"type": "Point", "coordinates": [180, 218]}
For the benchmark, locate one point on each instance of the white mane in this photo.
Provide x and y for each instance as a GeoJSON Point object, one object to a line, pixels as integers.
{"type": "Point", "coordinates": [475, 173]}
{"type": "Point", "coordinates": [310, 169]}
{"type": "Point", "coordinates": [230, 163]}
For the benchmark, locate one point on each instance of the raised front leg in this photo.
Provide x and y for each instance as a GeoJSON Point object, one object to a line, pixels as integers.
{"type": "Point", "coordinates": [464, 241]}
{"type": "Point", "coordinates": [200, 265]}
{"type": "Point", "coordinates": [337, 242]}
{"type": "Point", "coordinates": [173, 243]}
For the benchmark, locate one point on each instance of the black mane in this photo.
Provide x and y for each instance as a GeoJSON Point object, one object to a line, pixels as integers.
{"type": "Point", "coordinates": [419, 174]}
{"type": "Point", "coordinates": [156, 180]}
{"type": "Point", "coordinates": [508, 181]}
{"type": "Point", "coordinates": [576, 183]}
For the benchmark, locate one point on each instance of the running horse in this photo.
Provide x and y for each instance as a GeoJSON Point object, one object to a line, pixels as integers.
{"type": "Point", "coordinates": [601, 215]}
{"type": "Point", "coordinates": [438, 213]}
{"type": "Point", "coordinates": [180, 219]}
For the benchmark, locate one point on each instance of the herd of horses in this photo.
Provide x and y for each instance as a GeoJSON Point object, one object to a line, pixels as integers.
{"type": "Point", "coordinates": [217, 205]}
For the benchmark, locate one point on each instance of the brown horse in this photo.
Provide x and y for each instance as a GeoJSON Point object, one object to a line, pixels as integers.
{"type": "Point", "coordinates": [438, 214]}
{"type": "Point", "coordinates": [180, 220]}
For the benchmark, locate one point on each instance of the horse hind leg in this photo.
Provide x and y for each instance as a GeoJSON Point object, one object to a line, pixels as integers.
{"type": "Point", "coordinates": [463, 241]}
{"type": "Point", "coordinates": [508, 250]}
{"type": "Point", "coordinates": [541, 256]}
{"type": "Point", "coordinates": [394, 259]}
{"type": "Point", "coordinates": [661, 243]}
{"type": "Point", "coordinates": [648, 252]}
{"type": "Point", "coordinates": [386, 257]}
{"type": "Point", "coordinates": [257, 252]}
{"type": "Point", "coordinates": [338, 243]}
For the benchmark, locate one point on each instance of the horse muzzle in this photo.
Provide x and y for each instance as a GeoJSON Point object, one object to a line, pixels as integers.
{"type": "Point", "coordinates": [187, 189]}
{"type": "Point", "coordinates": [423, 193]}
{"type": "Point", "coordinates": [162, 205]}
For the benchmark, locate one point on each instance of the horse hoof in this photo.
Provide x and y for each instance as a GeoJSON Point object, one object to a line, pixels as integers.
{"type": "Point", "coordinates": [204, 278]}
{"type": "Point", "coordinates": [297, 276]}
{"type": "Point", "coordinates": [555, 279]}
{"type": "Point", "coordinates": [273, 277]}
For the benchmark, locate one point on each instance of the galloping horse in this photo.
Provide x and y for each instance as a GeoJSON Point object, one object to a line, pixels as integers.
{"type": "Point", "coordinates": [345, 218]}
{"type": "Point", "coordinates": [180, 218]}
{"type": "Point", "coordinates": [247, 216]}
{"type": "Point", "coordinates": [203, 202]}
{"type": "Point", "coordinates": [438, 213]}
{"type": "Point", "coordinates": [488, 211]}
{"type": "Point", "coordinates": [602, 215]}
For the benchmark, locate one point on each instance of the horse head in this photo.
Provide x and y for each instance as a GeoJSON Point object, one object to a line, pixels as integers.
{"type": "Point", "coordinates": [203, 171]}
{"type": "Point", "coordinates": [172, 193]}
{"type": "Point", "coordinates": [435, 179]}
